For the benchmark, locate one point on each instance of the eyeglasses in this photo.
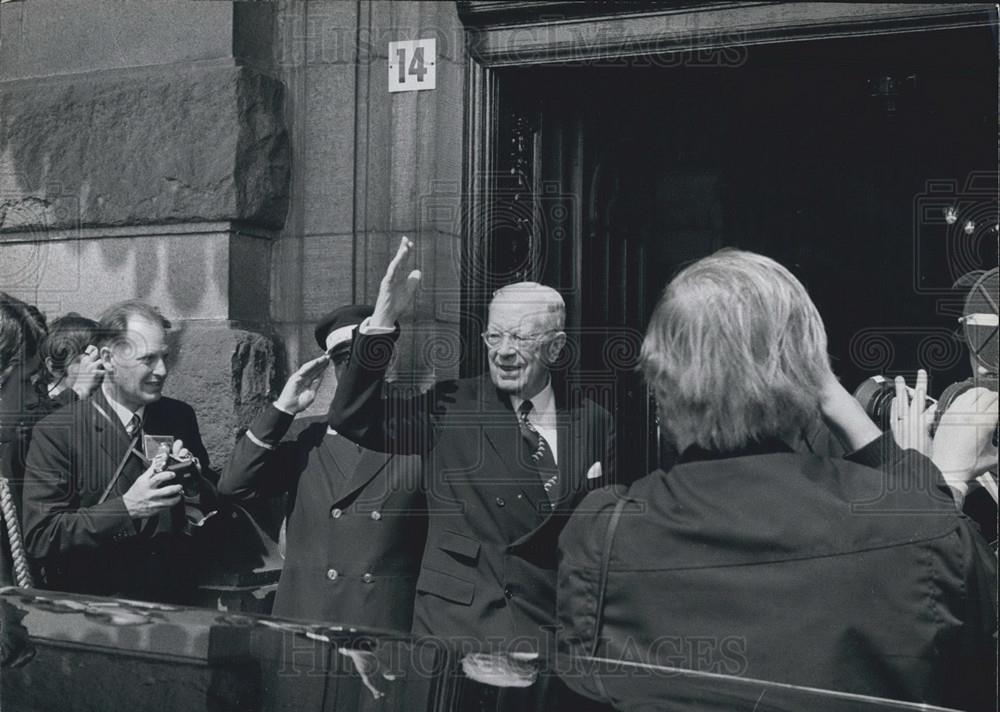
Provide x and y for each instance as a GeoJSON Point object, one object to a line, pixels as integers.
{"type": "Point", "coordinates": [493, 338]}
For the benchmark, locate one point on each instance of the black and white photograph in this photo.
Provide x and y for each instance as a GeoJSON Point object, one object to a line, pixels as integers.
{"type": "Point", "coordinates": [499, 356]}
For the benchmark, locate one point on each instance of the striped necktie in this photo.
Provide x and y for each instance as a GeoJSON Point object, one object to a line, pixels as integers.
{"type": "Point", "coordinates": [541, 452]}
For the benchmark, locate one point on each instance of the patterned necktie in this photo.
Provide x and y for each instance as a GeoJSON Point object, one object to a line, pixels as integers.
{"type": "Point", "coordinates": [541, 453]}
{"type": "Point", "coordinates": [134, 424]}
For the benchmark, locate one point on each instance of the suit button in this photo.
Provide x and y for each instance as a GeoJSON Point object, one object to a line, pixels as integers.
{"type": "Point", "coordinates": [507, 593]}
{"type": "Point", "coordinates": [376, 515]}
{"type": "Point", "coordinates": [332, 574]}
{"type": "Point", "coordinates": [500, 502]}
{"type": "Point", "coordinates": [367, 578]}
{"type": "Point", "coordinates": [336, 512]}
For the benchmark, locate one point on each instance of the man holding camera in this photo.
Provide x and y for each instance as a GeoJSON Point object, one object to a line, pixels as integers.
{"type": "Point", "coordinates": [109, 479]}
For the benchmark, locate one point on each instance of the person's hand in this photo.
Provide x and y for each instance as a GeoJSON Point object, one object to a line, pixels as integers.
{"type": "Point", "coordinates": [150, 494]}
{"type": "Point", "coordinates": [301, 388]}
{"type": "Point", "coordinates": [368, 666]}
{"type": "Point", "coordinates": [397, 289]}
{"type": "Point", "coordinates": [179, 452]}
{"type": "Point", "coordinates": [89, 374]}
{"type": "Point", "coordinates": [844, 416]}
{"type": "Point", "coordinates": [908, 417]}
{"type": "Point", "coordinates": [963, 444]}
{"type": "Point", "coordinates": [501, 670]}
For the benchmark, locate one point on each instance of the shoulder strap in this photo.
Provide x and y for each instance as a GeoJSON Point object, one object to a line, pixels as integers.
{"type": "Point", "coordinates": [121, 466]}
{"type": "Point", "coordinates": [603, 581]}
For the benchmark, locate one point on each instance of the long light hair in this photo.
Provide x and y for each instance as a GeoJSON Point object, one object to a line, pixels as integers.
{"type": "Point", "coordinates": [736, 352]}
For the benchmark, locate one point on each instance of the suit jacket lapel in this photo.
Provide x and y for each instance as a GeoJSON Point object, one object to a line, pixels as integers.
{"type": "Point", "coordinates": [109, 431]}
{"type": "Point", "coordinates": [499, 427]}
{"type": "Point", "coordinates": [570, 455]}
{"type": "Point", "coordinates": [368, 467]}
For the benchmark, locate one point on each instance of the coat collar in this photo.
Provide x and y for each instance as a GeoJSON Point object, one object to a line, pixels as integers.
{"type": "Point", "coordinates": [767, 446]}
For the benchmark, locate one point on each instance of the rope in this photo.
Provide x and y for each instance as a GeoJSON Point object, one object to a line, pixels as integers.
{"type": "Point", "coordinates": [22, 574]}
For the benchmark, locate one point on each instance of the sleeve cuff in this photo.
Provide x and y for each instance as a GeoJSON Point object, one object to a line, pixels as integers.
{"type": "Point", "coordinates": [368, 330]}
{"type": "Point", "coordinates": [881, 451]}
{"type": "Point", "coordinates": [270, 427]}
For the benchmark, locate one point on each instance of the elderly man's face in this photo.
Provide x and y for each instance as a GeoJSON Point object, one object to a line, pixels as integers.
{"type": "Point", "coordinates": [529, 340]}
{"type": "Point", "coordinates": [137, 367]}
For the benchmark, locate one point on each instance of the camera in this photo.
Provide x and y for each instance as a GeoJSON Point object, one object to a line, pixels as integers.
{"type": "Point", "coordinates": [876, 394]}
{"type": "Point", "coordinates": [185, 474]}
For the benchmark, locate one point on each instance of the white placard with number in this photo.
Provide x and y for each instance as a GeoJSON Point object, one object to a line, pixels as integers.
{"type": "Point", "coordinates": [412, 65]}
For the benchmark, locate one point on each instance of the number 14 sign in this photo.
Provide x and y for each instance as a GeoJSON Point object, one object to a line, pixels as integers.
{"type": "Point", "coordinates": [412, 65]}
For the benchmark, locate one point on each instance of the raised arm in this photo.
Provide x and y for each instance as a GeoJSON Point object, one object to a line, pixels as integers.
{"type": "Point", "coordinates": [358, 411]}
{"type": "Point", "coordinates": [261, 465]}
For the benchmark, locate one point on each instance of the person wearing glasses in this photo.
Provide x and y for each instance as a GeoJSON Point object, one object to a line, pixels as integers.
{"type": "Point", "coordinates": [506, 458]}
{"type": "Point", "coordinates": [356, 518]}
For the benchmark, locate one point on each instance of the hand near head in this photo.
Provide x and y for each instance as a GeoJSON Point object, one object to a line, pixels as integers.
{"type": "Point", "coordinates": [910, 418]}
{"type": "Point", "coordinates": [89, 374]}
{"type": "Point", "coordinates": [397, 289]}
{"type": "Point", "coordinates": [301, 388]}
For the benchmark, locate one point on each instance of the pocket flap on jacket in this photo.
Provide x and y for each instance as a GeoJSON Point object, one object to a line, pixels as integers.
{"type": "Point", "coordinates": [458, 544]}
{"type": "Point", "coordinates": [446, 586]}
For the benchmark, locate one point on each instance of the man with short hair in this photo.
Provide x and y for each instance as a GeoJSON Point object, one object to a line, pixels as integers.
{"type": "Point", "coordinates": [506, 459]}
{"type": "Point", "coordinates": [103, 513]}
{"type": "Point", "coordinates": [355, 518]}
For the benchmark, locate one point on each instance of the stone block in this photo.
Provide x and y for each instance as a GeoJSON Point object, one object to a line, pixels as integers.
{"type": "Point", "coordinates": [43, 38]}
{"type": "Point", "coordinates": [228, 375]}
{"type": "Point", "coordinates": [189, 272]}
{"type": "Point", "coordinates": [327, 274]}
{"type": "Point", "coordinates": [196, 143]}
{"type": "Point", "coordinates": [329, 142]}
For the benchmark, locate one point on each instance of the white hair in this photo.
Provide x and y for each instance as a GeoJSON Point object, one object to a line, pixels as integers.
{"type": "Point", "coordinates": [537, 298]}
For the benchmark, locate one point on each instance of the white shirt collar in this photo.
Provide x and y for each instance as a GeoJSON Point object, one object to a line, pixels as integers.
{"type": "Point", "coordinates": [123, 413]}
{"type": "Point", "coordinates": [543, 405]}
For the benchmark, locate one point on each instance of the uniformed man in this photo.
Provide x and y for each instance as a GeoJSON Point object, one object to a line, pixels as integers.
{"type": "Point", "coordinates": [356, 522]}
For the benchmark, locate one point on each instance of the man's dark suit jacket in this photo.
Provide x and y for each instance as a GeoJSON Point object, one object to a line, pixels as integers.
{"type": "Point", "coordinates": [356, 521]}
{"type": "Point", "coordinates": [489, 567]}
{"type": "Point", "coordinates": [791, 568]}
{"type": "Point", "coordinates": [87, 547]}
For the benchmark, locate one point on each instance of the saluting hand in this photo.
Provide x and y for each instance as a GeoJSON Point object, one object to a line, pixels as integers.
{"type": "Point", "coordinates": [397, 289]}
{"type": "Point", "coordinates": [301, 388]}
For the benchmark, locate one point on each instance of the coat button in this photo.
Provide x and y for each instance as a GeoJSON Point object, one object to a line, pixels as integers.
{"type": "Point", "coordinates": [500, 502]}
{"type": "Point", "coordinates": [336, 512]}
{"type": "Point", "coordinates": [367, 578]}
{"type": "Point", "coordinates": [376, 515]}
{"type": "Point", "coordinates": [507, 593]}
{"type": "Point", "coordinates": [332, 574]}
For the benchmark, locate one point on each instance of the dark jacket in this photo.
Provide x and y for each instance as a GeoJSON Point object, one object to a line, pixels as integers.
{"type": "Point", "coordinates": [792, 568]}
{"type": "Point", "coordinates": [489, 566]}
{"type": "Point", "coordinates": [90, 547]}
{"type": "Point", "coordinates": [356, 521]}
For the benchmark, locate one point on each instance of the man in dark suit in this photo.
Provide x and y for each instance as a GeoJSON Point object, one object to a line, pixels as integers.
{"type": "Point", "coordinates": [102, 513]}
{"type": "Point", "coordinates": [356, 517]}
{"type": "Point", "coordinates": [506, 458]}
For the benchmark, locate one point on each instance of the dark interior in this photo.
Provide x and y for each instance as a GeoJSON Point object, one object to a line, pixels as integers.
{"type": "Point", "coordinates": [835, 157]}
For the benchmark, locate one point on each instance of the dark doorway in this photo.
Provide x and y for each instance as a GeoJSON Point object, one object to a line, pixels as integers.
{"type": "Point", "coordinates": [837, 158]}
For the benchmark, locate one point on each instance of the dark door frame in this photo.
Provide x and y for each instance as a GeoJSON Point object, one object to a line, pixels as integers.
{"type": "Point", "coordinates": [502, 34]}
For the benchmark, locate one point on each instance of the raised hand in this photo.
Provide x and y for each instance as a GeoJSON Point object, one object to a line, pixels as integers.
{"type": "Point", "coordinates": [908, 417]}
{"type": "Point", "coordinates": [301, 387]}
{"type": "Point", "coordinates": [89, 374]}
{"type": "Point", "coordinates": [397, 289]}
